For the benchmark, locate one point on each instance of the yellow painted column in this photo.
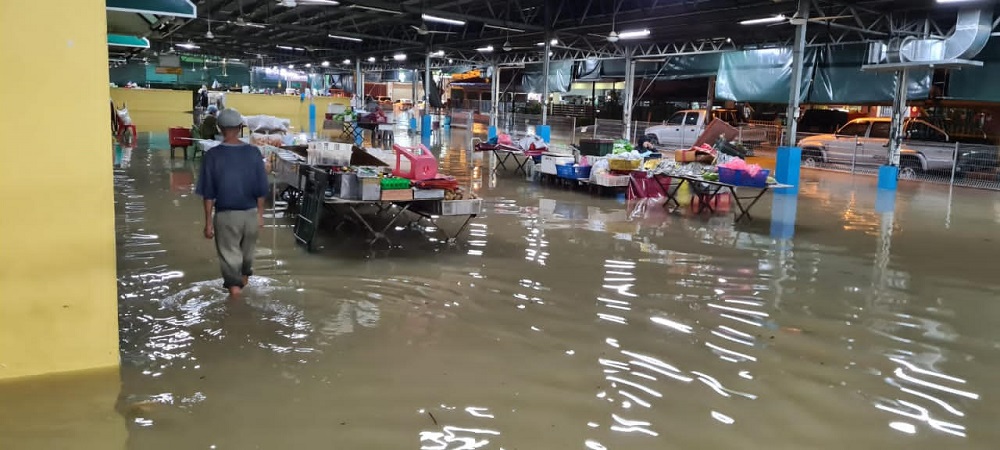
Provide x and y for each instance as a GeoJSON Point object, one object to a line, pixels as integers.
{"type": "Point", "coordinates": [58, 299]}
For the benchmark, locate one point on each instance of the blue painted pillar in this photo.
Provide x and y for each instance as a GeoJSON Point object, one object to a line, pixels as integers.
{"type": "Point", "coordinates": [787, 169]}
{"type": "Point", "coordinates": [544, 132]}
{"type": "Point", "coordinates": [491, 133]}
{"type": "Point", "coordinates": [425, 126]}
{"type": "Point", "coordinates": [888, 178]}
{"type": "Point", "coordinates": [784, 210]}
{"type": "Point", "coordinates": [312, 120]}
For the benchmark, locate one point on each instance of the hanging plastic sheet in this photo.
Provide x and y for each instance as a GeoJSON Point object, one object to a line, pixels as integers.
{"type": "Point", "coordinates": [615, 68]}
{"type": "Point", "coordinates": [762, 75]}
{"type": "Point", "coordinates": [684, 67]}
{"type": "Point", "coordinates": [978, 83]}
{"type": "Point", "coordinates": [560, 77]}
{"type": "Point", "coordinates": [588, 70]}
{"type": "Point", "coordinates": [840, 80]}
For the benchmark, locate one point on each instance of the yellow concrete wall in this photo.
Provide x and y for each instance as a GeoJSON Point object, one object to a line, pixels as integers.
{"type": "Point", "coordinates": [284, 106]}
{"type": "Point", "coordinates": [156, 110]}
{"type": "Point", "coordinates": [58, 290]}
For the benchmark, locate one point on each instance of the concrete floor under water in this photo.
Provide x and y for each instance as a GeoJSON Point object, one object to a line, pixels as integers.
{"type": "Point", "coordinates": [560, 321]}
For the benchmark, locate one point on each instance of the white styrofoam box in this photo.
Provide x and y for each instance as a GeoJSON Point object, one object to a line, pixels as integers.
{"type": "Point", "coordinates": [428, 194]}
{"type": "Point", "coordinates": [549, 163]}
{"type": "Point", "coordinates": [329, 154]}
{"type": "Point", "coordinates": [461, 207]}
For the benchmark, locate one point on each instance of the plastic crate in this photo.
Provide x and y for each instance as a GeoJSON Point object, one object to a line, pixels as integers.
{"type": "Point", "coordinates": [596, 147]}
{"type": "Point", "coordinates": [624, 165]}
{"type": "Point", "coordinates": [393, 184]}
{"type": "Point", "coordinates": [743, 178]}
{"type": "Point", "coordinates": [610, 180]}
{"type": "Point", "coordinates": [572, 172]}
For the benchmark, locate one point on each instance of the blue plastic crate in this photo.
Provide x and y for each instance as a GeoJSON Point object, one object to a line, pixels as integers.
{"type": "Point", "coordinates": [572, 172]}
{"type": "Point", "coordinates": [742, 178]}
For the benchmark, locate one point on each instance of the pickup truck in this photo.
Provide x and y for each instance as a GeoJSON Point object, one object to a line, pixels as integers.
{"type": "Point", "coordinates": [684, 128]}
{"type": "Point", "coordinates": [865, 142]}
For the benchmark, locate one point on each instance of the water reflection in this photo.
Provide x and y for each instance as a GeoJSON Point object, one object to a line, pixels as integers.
{"type": "Point", "coordinates": [564, 320]}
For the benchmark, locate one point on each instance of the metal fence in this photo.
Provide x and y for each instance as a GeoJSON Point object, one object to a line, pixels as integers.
{"type": "Point", "coordinates": [966, 165]}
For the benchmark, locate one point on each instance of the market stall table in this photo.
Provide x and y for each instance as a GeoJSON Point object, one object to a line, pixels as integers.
{"type": "Point", "coordinates": [504, 152]}
{"type": "Point", "coordinates": [430, 211]}
{"type": "Point", "coordinates": [707, 192]}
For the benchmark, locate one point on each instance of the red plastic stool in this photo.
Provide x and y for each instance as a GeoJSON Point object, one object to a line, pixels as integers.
{"type": "Point", "coordinates": [122, 129]}
{"type": "Point", "coordinates": [423, 166]}
{"type": "Point", "coordinates": [179, 137]}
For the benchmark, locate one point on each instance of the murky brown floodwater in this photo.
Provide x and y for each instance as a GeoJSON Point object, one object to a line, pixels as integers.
{"type": "Point", "coordinates": [562, 322]}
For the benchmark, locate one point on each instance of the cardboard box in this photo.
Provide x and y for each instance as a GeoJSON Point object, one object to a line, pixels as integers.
{"type": "Point", "coordinates": [397, 195]}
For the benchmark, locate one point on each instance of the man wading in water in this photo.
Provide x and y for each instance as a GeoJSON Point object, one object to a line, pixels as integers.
{"type": "Point", "coordinates": [234, 183]}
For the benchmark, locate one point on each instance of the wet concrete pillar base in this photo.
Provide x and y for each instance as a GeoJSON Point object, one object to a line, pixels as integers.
{"type": "Point", "coordinates": [787, 167]}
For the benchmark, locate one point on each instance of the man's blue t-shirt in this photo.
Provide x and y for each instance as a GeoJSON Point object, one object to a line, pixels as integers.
{"type": "Point", "coordinates": [233, 175]}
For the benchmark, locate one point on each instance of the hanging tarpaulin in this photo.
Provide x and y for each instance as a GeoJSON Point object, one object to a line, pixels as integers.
{"type": "Point", "coordinates": [121, 40]}
{"type": "Point", "coordinates": [176, 8]}
{"type": "Point", "coordinates": [560, 77]}
{"type": "Point", "coordinates": [969, 83]}
{"type": "Point", "coordinates": [840, 80]}
{"type": "Point", "coordinates": [615, 68]}
{"type": "Point", "coordinates": [762, 75]}
{"type": "Point", "coordinates": [682, 67]}
{"type": "Point", "coordinates": [588, 70]}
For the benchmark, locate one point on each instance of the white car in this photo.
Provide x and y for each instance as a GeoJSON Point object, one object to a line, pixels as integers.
{"type": "Point", "coordinates": [865, 142]}
{"type": "Point", "coordinates": [684, 127]}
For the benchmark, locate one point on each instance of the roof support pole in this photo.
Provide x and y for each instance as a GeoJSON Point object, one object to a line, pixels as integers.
{"type": "Point", "coordinates": [629, 98]}
{"type": "Point", "coordinates": [898, 117]}
{"type": "Point", "coordinates": [495, 96]}
{"type": "Point", "coordinates": [798, 54]}
{"type": "Point", "coordinates": [427, 82]}
{"type": "Point", "coordinates": [545, 80]}
{"type": "Point", "coordinates": [359, 80]}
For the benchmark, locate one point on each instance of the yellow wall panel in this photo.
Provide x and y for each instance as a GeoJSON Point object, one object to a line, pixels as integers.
{"type": "Point", "coordinates": [58, 290]}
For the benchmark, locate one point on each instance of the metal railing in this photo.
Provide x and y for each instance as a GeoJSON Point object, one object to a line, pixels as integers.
{"type": "Point", "coordinates": [957, 164]}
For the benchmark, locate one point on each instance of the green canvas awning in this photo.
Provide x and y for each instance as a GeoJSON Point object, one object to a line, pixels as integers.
{"type": "Point", "coordinates": [121, 40]}
{"type": "Point", "coordinates": [176, 8]}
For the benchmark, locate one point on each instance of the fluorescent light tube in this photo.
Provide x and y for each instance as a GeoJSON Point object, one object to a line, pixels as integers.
{"type": "Point", "coordinates": [487, 49]}
{"type": "Point", "coordinates": [772, 19]}
{"type": "Point", "coordinates": [399, 57]}
{"type": "Point", "coordinates": [437, 19]}
{"type": "Point", "coordinates": [345, 38]}
{"type": "Point", "coordinates": [633, 34]}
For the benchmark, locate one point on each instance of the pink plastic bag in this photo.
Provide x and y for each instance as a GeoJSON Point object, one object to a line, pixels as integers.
{"type": "Point", "coordinates": [505, 139]}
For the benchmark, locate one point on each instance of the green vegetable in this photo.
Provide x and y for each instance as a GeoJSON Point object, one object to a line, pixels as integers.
{"type": "Point", "coordinates": [771, 180]}
{"type": "Point", "coordinates": [710, 177]}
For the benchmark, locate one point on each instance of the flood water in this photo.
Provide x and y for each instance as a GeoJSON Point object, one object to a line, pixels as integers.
{"type": "Point", "coordinates": [564, 321]}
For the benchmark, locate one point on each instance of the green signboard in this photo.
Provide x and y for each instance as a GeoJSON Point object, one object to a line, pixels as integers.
{"type": "Point", "coordinates": [176, 8]}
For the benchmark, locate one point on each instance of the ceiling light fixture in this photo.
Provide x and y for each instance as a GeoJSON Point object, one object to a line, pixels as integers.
{"type": "Point", "coordinates": [346, 61]}
{"type": "Point", "coordinates": [487, 49]}
{"type": "Point", "coordinates": [345, 38]}
{"type": "Point", "coordinates": [438, 53]}
{"type": "Point", "coordinates": [556, 41]}
{"type": "Point", "coordinates": [325, 64]}
{"type": "Point", "coordinates": [377, 9]}
{"type": "Point", "coordinates": [772, 19]}
{"type": "Point", "coordinates": [399, 57]}
{"type": "Point", "coordinates": [430, 18]}
{"type": "Point", "coordinates": [638, 34]}
{"type": "Point", "coordinates": [291, 66]}
{"type": "Point", "coordinates": [188, 45]}
{"type": "Point", "coordinates": [308, 65]}
{"type": "Point", "coordinates": [498, 27]}
{"type": "Point", "coordinates": [371, 59]}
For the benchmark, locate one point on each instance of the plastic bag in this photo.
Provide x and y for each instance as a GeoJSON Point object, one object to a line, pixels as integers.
{"type": "Point", "coordinates": [505, 139]}
{"type": "Point", "coordinates": [123, 115]}
{"type": "Point", "coordinates": [267, 124]}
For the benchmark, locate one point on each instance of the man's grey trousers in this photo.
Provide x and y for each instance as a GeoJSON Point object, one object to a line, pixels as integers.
{"type": "Point", "coordinates": [236, 241]}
